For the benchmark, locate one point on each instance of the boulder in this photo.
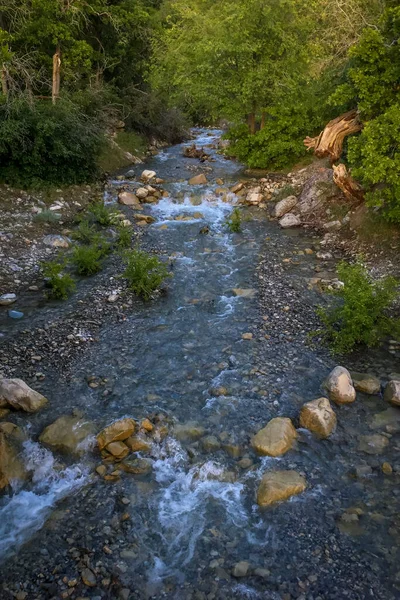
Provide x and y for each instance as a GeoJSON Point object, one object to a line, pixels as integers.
{"type": "Point", "coordinates": [289, 220]}
{"type": "Point", "coordinates": [117, 431]}
{"type": "Point", "coordinates": [147, 175]}
{"type": "Point", "coordinates": [254, 196]}
{"type": "Point", "coordinates": [366, 383]}
{"type": "Point", "coordinates": [11, 468]}
{"type": "Point", "coordinates": [319, 417]}
{"type": "Point", "coordinates": [198, 180]}
{"type": "Point", "coordinates": [340, 386]}
{"type": "Point", "coordinates": [118, 449]}
{"type": "Point", "coordinates": [237, 188]}
{"type": "Point", "coordinates": [319, 185]}
{"type": "Point", "coordinates": [279, 485]}
{"type": "Point", "coordinates": [392, 392]}
{"type": "Point", "coordinates": [7, 299]}
{"type": "Point", "coordinates": [129, 199]}
{"type": "Point", "coordinates": [67, 434]}
{"type": "Point", "coordinates": [17, 394]}
{"type": "Point", "coordinates": [373, 444]}
{"type": "Point", "coordinates": [56, 241]}
{"type": "Point", "coordinates": [276, 438]}
{"type": "Point", "coordinates": [284, 206]}
{"type": "Point", "coordinates": [138, 443]}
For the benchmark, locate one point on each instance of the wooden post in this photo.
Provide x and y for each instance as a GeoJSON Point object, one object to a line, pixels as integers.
{"type": "Point", "coordinates": [4, 82]}
{"type": "Point", "coordinates": [55, 91]}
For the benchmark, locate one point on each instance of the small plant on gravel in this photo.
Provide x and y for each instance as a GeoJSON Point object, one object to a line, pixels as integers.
{"type": "Point", "coordinates": [85, 232]}
{"type": "Point", "coordinates": [87, 259]}
{"type": "Point", "coordinates": [101, 214]}
{"type": "Point", "coordinates": [124, 237]}
{"type": "Point", "coordinates": [60, 284]}
{"type": "Point", "coordinates": [47, 216]}
{"type": "Point", "coordinates": [361, 315]}
{"type": "Point", "coordinates": [144, 272]}
{"type": "Point", "coordinates": [234, 223]}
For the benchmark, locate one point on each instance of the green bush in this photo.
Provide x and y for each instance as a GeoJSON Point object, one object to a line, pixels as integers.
{"type": "Point", "coordinates": [234, 222]}
{"type": "Point", "coordinates": [45, 143]}
{"type": "Point", "coordinates": [144, 272]}
{"type": "Point", "coordinates": [87, 259]}
{"type": "Point", "coordinates": [85, 233]}
{"type": "Point", "coordinates": [361, 315]}
{"type": "Point", "coordinates": [47, 216]}
{"type": "Point", "coordinates": [124, 237]}
{"type": "Point", "coordinates": [61, 284]}
{"type": "Point", "coordinates": [101, 214]}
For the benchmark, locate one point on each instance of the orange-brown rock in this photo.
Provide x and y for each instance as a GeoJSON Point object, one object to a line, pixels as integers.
{"type": "Point", "coordinates": [276, 438]}
{"type": "Point", "coordinates": [117, 431]}
{"type": "Point", "coordinates": [279, 485]}
{"type": "Point", "coordinates": [319, 417]}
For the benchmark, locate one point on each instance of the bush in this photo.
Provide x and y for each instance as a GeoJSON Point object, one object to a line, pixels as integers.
{"type": "Point", "coordinates": [144, 272]}
{"type": "Point", "coordinates": [61, 284]}
{"type": "Point", "coordinates": [361, 317]}
{"type": "Point", "coordinates": [87, 259]}
{"type": "Point", "coordinates": [101, 214]}
{"type": "Point", "coordinates": [124, 237]}
{"type": "Point", "coordinates": [86, 233]}
{"type": "Point", "coordinates": [47, 216]}
{"type": "Point", "coordinates": [41, 142]}
{"type": "Point", "coordinates": [234, 222]}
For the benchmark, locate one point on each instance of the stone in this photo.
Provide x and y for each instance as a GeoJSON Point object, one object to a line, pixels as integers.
{"type": "Point", "coordinates": [237, 188]}
{"type": "Point", "coordinates": [138, 443]}
{"type": "Point", "coordinates": [88, 578]}
{"type": "Point", "coordinates": [247, 336]}
{"type": "Point", "coordinates": [198, 180]}
{"type": "Point", "coordinates": [284, 206]}
{"type": "Point", "coordinates": [392, 392]}
{"type": "Point", "coordinates": [118, 431]}
{"type": "Point", "coordinates": [147, 425]}
{"type": "Point", "coordinates": [387, 468]}
{"type": "Point", "coordinates": [15, 314]}
{"type": "Point", "coordinates": [210, 443]}
{"type": "Point", "coordinates": [17, 394]}
{"type": "Point", "coordinates": [241, 569]}
{"type": "Point", "coordinates": [67, 434]}
{"type": "Point", "coordinates": [136, 466]}
{"type": "Point", "coordinates": [386, 418]}
{"type": "Point", "coordinates": [7, 299]}
{"type": "Point", "coordinates": [373, 444]}
{"type": "Point", "coordinates": [276, 438]}
{"type": "Point", "coordinates": [254, 197]}
{"type": "Point", "coordinates": [129, 199]}
{"type": "Point", "coordinates": [332, 226]}
{"type": "Point", "coordinates": [318, 186]}
{"type": "Point", "coordinates": [56, 241]}
{"type": "Point", "coordinates": [101, 470]}
{"type": "Point", "coordinates": [340, 386]}
{"type": "Point", "coordinates": [147, 175]}
{"type": "Point", "coordinates": [289, 220]}
{"type": "Point", "coordinates": [245, 292]}
{"type": "Point", "coordinates": [319, 417]}
{"type": "Point", "coordinates": [365, 383]}
{"type": "Point", "coordinates": [118, 449]}
{"type": "Point", "coordinates": [142, 193]}
{"type": "Point", "coordinates": [4, 412]}
{"type": "Point", "coordinates": [11, 468]}
{"type": "Point", "coordinates": [279, 485]}
{"type": "Point", "coordinates": [146, 218]}
{"type": "Point", "coordinates": [188, 431]}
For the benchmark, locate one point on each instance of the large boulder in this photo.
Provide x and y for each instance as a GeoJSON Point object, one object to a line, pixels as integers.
{"type": "Point", "coordinates": [116, 432]}
{"type": "Point", "coordinates": [17, 394]}
{"type": "Point", "coordinates": [279, 485]}
{"type": "Point", "coordinates": [11, 467]}
{"type": "Point", "coordinates": [319, 417]}
{"type": "Point", "coordinates": [129, 199]}
{"type": "Point", "coordinates": [340, 386]}
{"type": "Point", "coordinates": [392, 392]}
{"type": "Point", "coordinates": [366, 383]}
{"type": "Point", "coordinates": [198, 180]}
{"type": "Point", "coordinates": [284, 206]}
{"type": "Point", "coordinates": [319, 185]}
{"type": "Point", "coordinates": [276, 438]}
{"type": "Point", "coordinates": [289, 220]}
{"type": "Point", "coordinates": [67, 434]}
{"type": "Point", "coordinates": [147, 175]}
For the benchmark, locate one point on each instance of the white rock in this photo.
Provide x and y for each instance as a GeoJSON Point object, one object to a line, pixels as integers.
{"type": "Point", "coordinates": [7, 299]}
{"type": "Point", "coordinates": [289, 220]}
{"type": "Point", "coordinates": [392, 392]}
{"type": "Point", "coordinates": [56, 241]}
{"type": "Point", "coordinates": [332, 226]}
{"type": "Point", "coordinates": [284, 206]}
{"type": "Point", "coordinates": [142, 193]}
{"type": "Point", "coordinates": [340, 386]}
{"type": "Point", "coordinates": [148, 174]}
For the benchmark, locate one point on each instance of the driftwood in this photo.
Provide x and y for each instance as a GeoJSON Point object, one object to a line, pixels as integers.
{"type": "Point", "coordinates": [193, 152]}
{"type": "Point", "coordinates": [351, 189]}
{"type": "Point", "coordinates": [329, 143]}
{"type": "Point", "coordinates": [55, 90]}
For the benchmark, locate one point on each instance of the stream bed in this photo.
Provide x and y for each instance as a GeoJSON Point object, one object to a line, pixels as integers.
{"type": "Point", "coordinates": [179, 530]}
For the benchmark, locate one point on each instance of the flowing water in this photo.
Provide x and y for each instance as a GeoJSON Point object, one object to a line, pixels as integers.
{"type": "Point", "coordinates": [177, 531]}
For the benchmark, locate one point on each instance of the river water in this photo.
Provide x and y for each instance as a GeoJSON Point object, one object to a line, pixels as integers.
{"type": "Point", "coordinates": [177, 531]}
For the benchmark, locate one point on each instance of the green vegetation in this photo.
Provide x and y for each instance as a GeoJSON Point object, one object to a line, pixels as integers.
{"type": "Point", "coordinates": [60, 283]}
{"type": "Point", "coordinates": [124, 237]}
{"type": "Point", "coordinates": [144, 272]}
{"type": "Point", "coordinates": [361, 314]}
{"type": "Point", "coordinates": [87, 259]}
{"type": "Point", "coordinates": [102, 215]}
{"type": "Point", "coordinates": [47, 216]}
{"type": "Point", "coordinates": [85, 233]}
{"type": "Point", "coordinates": [234, 222]}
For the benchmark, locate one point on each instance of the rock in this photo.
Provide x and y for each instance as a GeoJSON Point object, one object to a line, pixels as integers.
{"type": "Point", "coordinates": [340, 386]}
{"type": "Point", "coordinates": [366, 383]}
{"type": "Point", "coordinates": [4, 412]}
{"type": "Point", "coordinates": [129, 199]}
{"type": "Point", "coordinates": [15, 314]}
{"type": "Point", "coordinates": [386, 418]}
{"type": "Point", "coordinates": [279, 485]}
{"type": "Point", "coordinates": [241, 569]}
{"type": "Point", "coordinates": [392, 392]}
{"type": "Point", "coordinates": [319, 185]}
{"type": "Point", "coordinates": [147, 175]}
{"type": "Point", "coordinates": [210, 443]}
{"type": "Point", "coordinates": [147, 425]}
{"type": "Point", "coordinates": [189, 431]}
{"type": "Point", "coordinates": [245, 292]}
{"type": "Point", "coordinates": [142, 193]}
{"type": "Point", "coordinates": [318, 417]}
{"type": "Point", "coordinates": [7, 299]}
{"type": "Point", "coordinates": [254, 196]}
{"type": "Point", "coordinates": [146, 218]}
{"type": "Point", "coordinates": [198, 180]}
{"type": "Point", "coordinates": [276, 438]}
{"type": "Point", "coordinates": [289, 220]}
{"type": "Point", "coordinates": [284, 206]}
{"type": "Point", "coordinates": [362, 471]}
{"type": "Point", "coordinates": [112, 298]}
{"type": "Point", "coordinates": [101, 470]}
{"type": "Point", "coordinates": [138, 443]}
{"type": "Point", "coordinates": [56, 241]}
{"type": "Point", "coordinates": [118, 449]}
{"type": "Point", "coordinates": [237, 188]}
{"type": "Point", "coordinates": [67, 434]}
{"type": "Point", "coordinates": [332, 226]}
{"type": "Point", "coordinates": [136, 466]}
{"type": "Point", "coordinates": [117, 431]}
{"type": "Point", "coordinates": [11, 468]}
{"type": "Point", "coordinates": [17, 394]}
{"type": "Point", "coordinates": [247, 336]}
{"type": "Point", "coordinates": [88, 578]}
{"type": "Point", "coordinates": [373, 444]}
{"type": "Point", "coordinates": [387, 468]}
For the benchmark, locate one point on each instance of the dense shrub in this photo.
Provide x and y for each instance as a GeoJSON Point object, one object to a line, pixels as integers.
{"type": "Point", "coordinates": [60, 284]}
{"type": "Point", "coordinates": [234, 222]}
{"type": "Point", "coordinates": [360, 316]}
{"type": "Point", "coordinates": [144, 272]}
{"type": "Point", "coordinates": [87, 259]}
{"type": "Point", "coordinates": [102, 215]}
{"type": "Point", "coordinates": [41, 142]}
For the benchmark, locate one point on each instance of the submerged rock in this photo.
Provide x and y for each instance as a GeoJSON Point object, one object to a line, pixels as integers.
{"type": "Point", "coordinates": [138, 443]}
{"type": "Point", "coordinates": [319, 417]}
{"type": "Point", "coordinates": [198, 180]}
{"type": "Point", "coordinates": [17, 394]}
{"type": "Point", "coordinates": [117, 431]}
{"type": "Point", "coordinates": [340, 386]}
{"type": "Point", "coordinates": [279, 485]}
{"type": "Point", "coordinates": [373, 444]}
{"type": "Point", "coordinates": [67, 434]}
{"type": "Point", "coordinates": [276, 438]}
{"type": "Point", "coordinates": [284, 206]}
{"type": "Point", "coordinates": [189, 431]}
{"type": "Point", "coordinates": [136, 466]}
{"type": "Point", "coordinates": [11, 468]}
{"type": "Point", "coordinates": [366, 383]}
{"type": "Point", "coordinates": [392, 392]}
{"type": "Point", "coordinates": [241, 569]}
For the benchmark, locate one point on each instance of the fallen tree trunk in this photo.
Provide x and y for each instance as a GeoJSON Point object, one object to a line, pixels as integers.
{"type": "Point", "coordinates": [329, 143]}
{"type": "Point", "coordinates": [193, 152]}
{"type": "Point", "coordinates": [349, 186]}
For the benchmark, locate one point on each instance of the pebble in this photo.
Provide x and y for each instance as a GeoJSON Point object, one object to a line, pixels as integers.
{"type": "Point", "coordinates": [7, 299]}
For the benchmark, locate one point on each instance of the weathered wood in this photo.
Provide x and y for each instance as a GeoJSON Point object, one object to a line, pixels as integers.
{"type": "Point", "coordinates": [329, 143]}
{"type": "Point", "coordinates": [55, 90]}
{"type": "Point", "coordinates": [193, 152]}
{"type": "Point", "coordinates": [351, 189]}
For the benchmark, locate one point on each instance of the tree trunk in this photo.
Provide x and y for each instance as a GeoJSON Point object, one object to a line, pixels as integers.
{"type": "Point", "coordinates": [329, 143]}
{"type": "Point", "coordinates": [262, 120]}
{"type": "Point", "coordinates": [351, 189]}
{"type": "Point", "coordinates": [4, 82]}
{"type": "Point", "coordinates": [252, 119]}
{"type": "Point", "coordinates": [55, 91]}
